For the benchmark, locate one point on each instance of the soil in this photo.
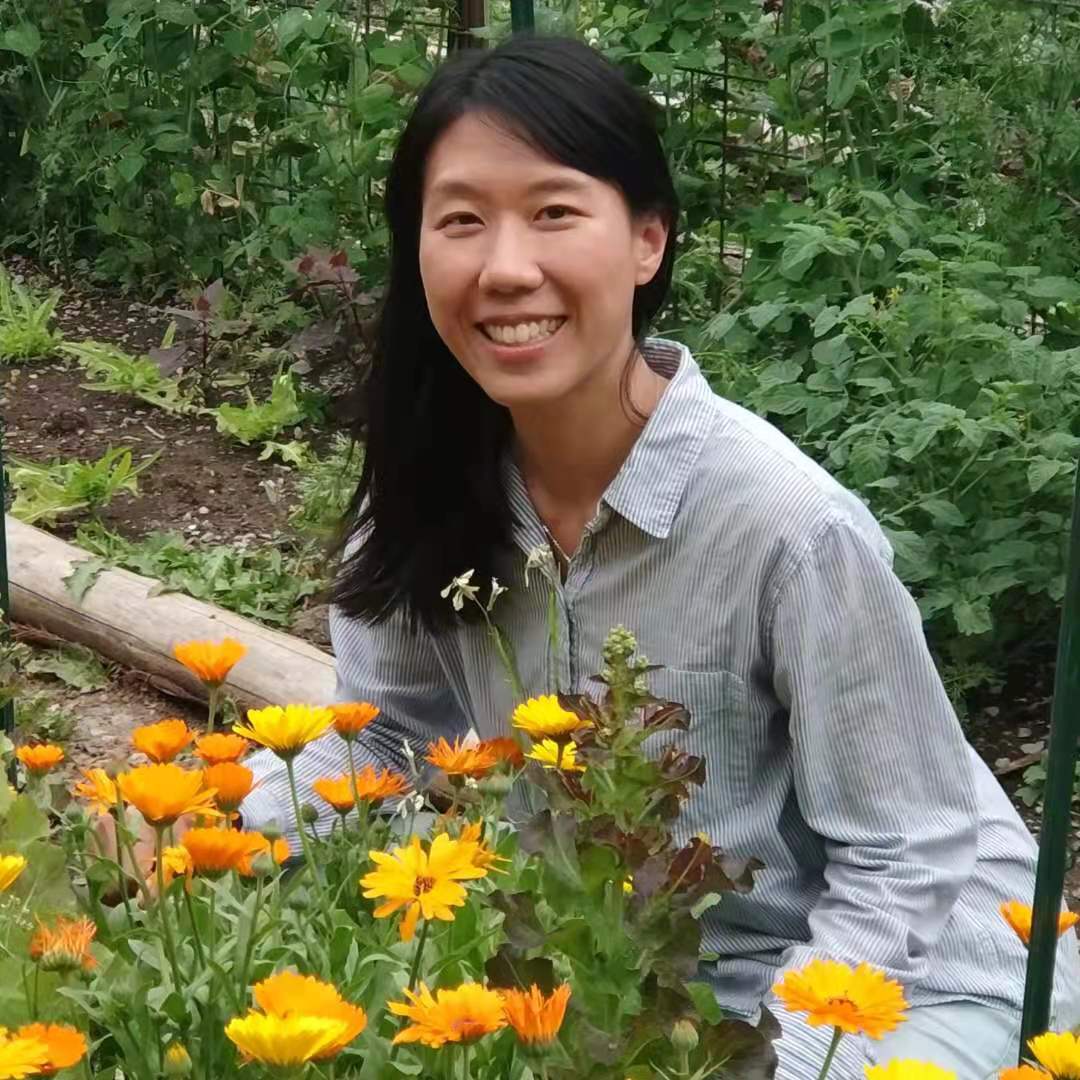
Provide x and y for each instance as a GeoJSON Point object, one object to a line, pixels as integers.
{"type": "Point", "coordinates": [215, 491]}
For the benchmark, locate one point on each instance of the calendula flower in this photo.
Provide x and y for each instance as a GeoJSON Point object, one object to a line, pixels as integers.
{"type": "Point", "coordinates": [21, 1057]}
{"type": "Point", "coordinates": [65, 1044]}
{"type": "Point", "coordinates": [483, 858]}
{"type": "Point", "coordinates": [161, 742]}
{"type": "Point", "coordinates": [857, 1001]}
{"type": "Point", "coordinates": [39, 758]}
{"type": "Point", "coordinates": [98, 789]}
{"type": "Point", "coordinates": [11, 866]}
{"type": "Point", "coordinates": [217, 851]}
{"type": "Point", "coordinates": [459, 759]}
{"type": "Point", "coordinates": [1059, 1053]}
{"type": "Point", "coordinates": [162, 793]}
{"type": "Point", "coordinates": [286, 730]}
{"type": "Point", "coordinates": [425, 883]}
{"type": "Point", "coordinates": [534, 1017]}
{"type": "Point", "coordinates": [284, 1041]}
{"type": "Point", "coordinates": [177, 861]}
{"type": "Point", "coordinates": [210, 661]}
{"type": "Point", "coordinates": [278, 851]}
{"type": "Point", "coordinates": [553, 755]}
{"type": "Point", "coordinates": [177, 1062]}
{"type": "Point", "coordinates": [505, 749]}
{"type": "Point", "coordinates": [289, 994]}
{"type": "Point", "coordinates": [232, 783]}
{"type": "Point", "coordinates": [64, 946]}
{"type": "Point", "coordinates": [337, 791]}
{"type": "Point", "coordinates": [908, 1070]}
{"type": "Point", "coordinates": [461, 1015]}
{"type": "Point", "coordinates": [220, 747]}
{"type": "Point", "coordinates": [351, 717]}
{"type": "Point", "coordinates": [543, 718]}
{"type": "Point", "coordinates": [1024, 1072]}
{"type": "Point", "coordinates": [372, 787]}
{"type": "Point", "coordinates": [1018, 916]}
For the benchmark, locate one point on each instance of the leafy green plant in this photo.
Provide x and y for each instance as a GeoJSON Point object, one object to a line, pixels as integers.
{"type": "Point", "coordinates": [262, 583]}
{"type": "Point", "coordinates": [44, 492]}
{"type": "Point", "coordinates": [24, 321]}
{"type": "Point", "coordinates": [1031, 791]}
{"type": "Point", "coordinates": [326, 485]}
{"type": "Point", "coordinates": [117, 372]}
{"type": "Point", "coordinates": [261, 420]}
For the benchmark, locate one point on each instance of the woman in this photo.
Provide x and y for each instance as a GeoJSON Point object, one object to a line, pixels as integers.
{"type": "Point", "coordinates": [515, 404]}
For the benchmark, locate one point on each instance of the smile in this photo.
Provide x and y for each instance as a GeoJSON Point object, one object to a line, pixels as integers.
{"type": "Point", "coordinates": [524, 333]}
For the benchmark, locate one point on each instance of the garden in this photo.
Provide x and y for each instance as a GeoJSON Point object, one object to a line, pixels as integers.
{"type": "Point", "coordinates": [879, 254]}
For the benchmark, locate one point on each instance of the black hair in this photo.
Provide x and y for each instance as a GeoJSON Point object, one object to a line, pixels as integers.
{"type": "Point", "coordinates": [430, 502]}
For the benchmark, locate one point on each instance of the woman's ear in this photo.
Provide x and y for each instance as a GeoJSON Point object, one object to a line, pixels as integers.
{"type": "Point", "coordinates": [650, 240]}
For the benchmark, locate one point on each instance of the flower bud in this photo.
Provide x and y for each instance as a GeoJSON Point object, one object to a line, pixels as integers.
{"type": "Point", "coordinates": [495, 784]}
{"type": "Point", "coordinates": [684, 1037]}
{"type": "Point", "coordinates": [272, 830]}
{"type": "Point", "coordinates": [308, 814]}
{"type": "Point", "coordinates": [263, 865]}
{"type": "Point", "coordinates": [177, 1061]}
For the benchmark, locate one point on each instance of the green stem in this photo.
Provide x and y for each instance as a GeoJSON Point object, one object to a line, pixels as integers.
{"type": "Point", "coordinates": [123, 842]}
{"type": "Point", "coordinates": [414, 970]}
{"type": "Point", "coordinates": [122, 876]}
{"type": "Point", "coordinates": [196, 936]}
{"type": "Point", "coordinates": [465, 1047]}
{"type": "Point", "coordinates": [163, 907]}
{"type": "Point", "coordinates": [213, 696]}
{"type": "Point", "coordinates": [305, 842]}
{"type": "Point", "coordinates": [249, 951]}
{"type": "Point", "coordinates": [355, 791]}
{"type": "Point", "coordinates": [827, 1063]}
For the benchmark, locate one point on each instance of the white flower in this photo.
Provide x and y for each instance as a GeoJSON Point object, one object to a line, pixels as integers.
{"type": "Point", "coordinates": [496, 591]}
{"type": "Point", "coordinates": [461, 590]}
{"type": "Point", "coordinates": [540, 558]}
{"type": "Point", "coordinates": [407, 750]}
{"type": "Point", "coordinates": [471, 782]}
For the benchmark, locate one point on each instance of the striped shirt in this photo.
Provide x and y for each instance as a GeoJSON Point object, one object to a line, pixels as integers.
{"type": "Point", "coordinates": [765, 590]}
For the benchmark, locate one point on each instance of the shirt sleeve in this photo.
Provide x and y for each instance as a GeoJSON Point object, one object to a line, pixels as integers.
{"type": "Point", "coordinates": [881, 769]}
{"type": "Point", "coordinates": [395, 669]}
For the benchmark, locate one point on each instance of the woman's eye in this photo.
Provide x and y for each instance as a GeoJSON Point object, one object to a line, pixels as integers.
{"type": "Point", "coordinates": [462, 218]}
{"type": "Point", "coordinates": [558, 213]}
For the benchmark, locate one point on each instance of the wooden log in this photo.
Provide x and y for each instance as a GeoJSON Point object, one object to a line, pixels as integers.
{"type": "Point", "coordinates": [119, 619]}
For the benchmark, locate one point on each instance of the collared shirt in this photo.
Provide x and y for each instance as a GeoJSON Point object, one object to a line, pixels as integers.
{"type": "Point", "coordinates": [765, 590]}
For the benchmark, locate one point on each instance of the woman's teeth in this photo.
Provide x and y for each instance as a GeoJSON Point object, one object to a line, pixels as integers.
{"type": "Point", "coordinates": [523, 332]}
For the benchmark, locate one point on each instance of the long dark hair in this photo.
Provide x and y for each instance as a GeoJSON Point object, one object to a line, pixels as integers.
{"type": "Point", "coordinates": [430, 503]}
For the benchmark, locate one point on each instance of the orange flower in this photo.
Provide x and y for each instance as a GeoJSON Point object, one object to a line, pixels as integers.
{"type": "Point", "coordinates": [351, 717]}
{"type": "Point", "coordinates": [217, 851]}
{"type": "Point", "coordinates": [1024, 1072]}
{"type": "Point", "coordinates": [461, 1015]}
{"type": "Point", "coordinates": [1018, 916]}
{"type": "Point", "coordinates": [289, 994]}
{"type": "Point", "coordinates": [66, 1046]}
{"type": "Point", "coordinates": [232, 784]}
{"type": "Point", "coordinates": [459, 760]}
{"type": "Point", "coordinates": [857, 1001]}
{"type": "Point", "coordinates": [162, 741]}
{"type": "Point", "coordinates": [482, 858]}
{"type": "Point", "coordinates": [99, 789]}
{"type": "Point", "coordinates": [337, 791]}
{"type": "Point", "coordinates": [65, 946]}
{"type": "Point", "coordinates": [278, 851]}
{"type": "Point", "coordinates": [536, 1019]}
{"type": "Point", "coordinates": [221, 747]}
{"type": "Point", "coordinates": [162, 793]}
{"type": "Point", "coordinates": [373, 787]}
{"type": "Point", "coordinates": [40, 758]}
{"type": "Point", "coordinates": [210, 661]}
{"type": "Point", "coordinates": [505, 749]}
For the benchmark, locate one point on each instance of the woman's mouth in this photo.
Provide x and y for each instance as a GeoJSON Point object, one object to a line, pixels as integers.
{"type": "Point", "coordinates": [523, 333]}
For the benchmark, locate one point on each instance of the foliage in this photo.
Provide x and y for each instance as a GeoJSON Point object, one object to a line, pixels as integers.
{"type": "Point", "coordinates": [325, 485]}
{"type": "Point", "coordinates": [24, 321]}
{"type": "Point", "coordinates": [37, 717]}
{"type": "Point", "coordinates": [44, 492]}
{"type": "Point", "coordinates": [262, 420]}
{"type": "Point", "coordinates": [115, 371]}
{"type": "Point", "coordinates": [263, 583]}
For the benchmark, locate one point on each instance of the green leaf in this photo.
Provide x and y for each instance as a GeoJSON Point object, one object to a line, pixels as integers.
{"type": "Point", "coordinates": [74, 665]}
{"type": "Point", "coordinates": [844, 78]}
{"type": "Point", "coordinates": [1042, 470]}
{"type": "Point", "coordinates": [83, 576]}
{"type": "Point", "coordinates": [822, 410]}
{"type": "Point", "coordinates": [827, 318]}
{"type": "Point", "coordinates": [24, 39]}
{"type": "Point", "coordinates": [832, 350]}
{"type": "Point", "coordinates": [658, 63]}
{"type": "Point", "coordinates": [784, 400]}
{"type": "Point", "coordinates": [716, 329]}
{"type": "Point", "coordinates": [130, 165]}
{"type": "Point", "coordinates": [944, 513]}
{"type": "Point", "coordinates": [973, 616]}
{"type": "Point", "coordinates": [1054, 290]}
{"type": "Point", "coordinates": [760, 315]}
{"type": "Point", "coordinates": [704, 997]}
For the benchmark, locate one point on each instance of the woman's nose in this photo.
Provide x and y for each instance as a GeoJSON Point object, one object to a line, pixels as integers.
{"type": "Point", "coordinates": [510, 263]}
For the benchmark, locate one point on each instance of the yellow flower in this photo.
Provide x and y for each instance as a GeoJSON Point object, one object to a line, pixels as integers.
{"type": "Point", "coordinates": [289, 994]}
{"type": "Point", "coordinates": [285, 1041]}
{"type": "Point", "coordinates": [220, 747]}
{"type": "Point", "coordinates": [286, 730]}
{"type": "Point", "coordinates": [553, 755]}
{"type": "Point", "coordinates": [1018, 916]}
{"type": "Point", "coordinates": [11, 866]}
{"type": "Point", "coordinates": [461, 760]}
{"type": "Point", "coordinates": [161, 742]}
{"type": "Point", "coordinates": [41, 757]}
{"type": "Point", "coordinates": [908, 1070]}
{"type": "Point", "coordinates": [425, 883]}
{"type": "Point", "coordinates": [461, 1015]}
{"type": "Point", "coordinates": [1059, 1053]}
{"type": "Point", "coordinates": [65, 1045]}
{"type": "Point", "coordinates": [351, 717]}
{"type": "Point", "coordinates": [99, 789]}
{"type": "Point", "coordinates": [232, 783]}
{"type": "Point", "coordinates": [1024, 1072]}
{"type": "Point", "coordinates": [176, 861]}
{"type": "Point", "coordinates": [483, 858]}
{"type": "Point", "coordinates": [210, 661]}
{"type": "Point", "coordinates": [65, 946]}
{"type": "Point", "coordinates": [177, 1061]}
{"type": "Point", "coordinates": [535, 1018]}
{"type": "Point", "coordinates": [21, 1057]}
{"type": "Point", "coordinates": [544, 718]}
{"type": "Point", "coordinates": [859, 1001]}
{"type": "Point", "coordinates": [162, 793]}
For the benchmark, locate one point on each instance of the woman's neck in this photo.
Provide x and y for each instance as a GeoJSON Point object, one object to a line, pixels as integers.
{"type": "Point", "coordinates": [570, 451]}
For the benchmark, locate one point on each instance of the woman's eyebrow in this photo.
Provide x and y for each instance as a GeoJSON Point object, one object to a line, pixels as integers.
{"type": "Point", "coordinates": [451, 188]}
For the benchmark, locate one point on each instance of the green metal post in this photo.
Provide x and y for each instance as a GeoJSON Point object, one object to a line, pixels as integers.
{"type": "Point", "coordinates": [7, 710]}
{"type": "Point", "coordinates": [522, 16]}
{"type": "Point", "coordinates": [1057, 800]}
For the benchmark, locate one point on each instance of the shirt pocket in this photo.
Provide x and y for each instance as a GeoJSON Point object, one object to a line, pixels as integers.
{"type": "Point", "coordinates": [720, 731]}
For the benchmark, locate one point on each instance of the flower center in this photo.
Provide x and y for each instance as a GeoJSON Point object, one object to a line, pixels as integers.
{"type": "Point", "coordinates": [423, 885]}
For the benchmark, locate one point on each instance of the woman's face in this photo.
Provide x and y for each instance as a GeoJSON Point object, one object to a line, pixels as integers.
{"type": "Point", "coordinates": [529, 267]}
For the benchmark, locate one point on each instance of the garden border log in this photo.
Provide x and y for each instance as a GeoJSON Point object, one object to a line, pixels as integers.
{"type": "Point", "coordinates": [120, 620]}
